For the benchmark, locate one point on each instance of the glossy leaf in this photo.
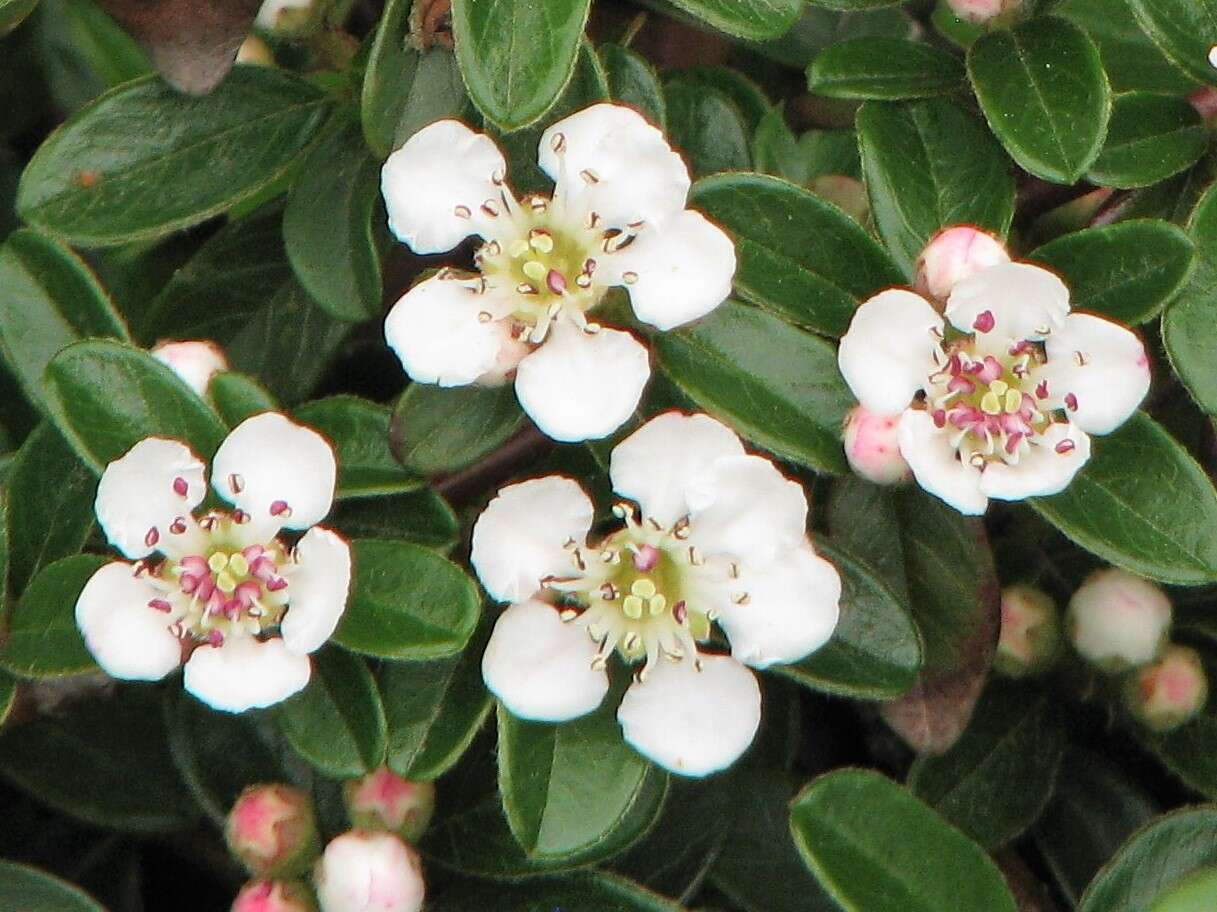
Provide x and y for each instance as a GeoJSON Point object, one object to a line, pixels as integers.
{"type": "Point", "coordinates": [585, 891]}
{"type": "Point", "coordinates": [143, 160]}
{"type": "Point", "coordinates": [1195, 893]}
{"type": "Point", "coordinates": [422, 517]}
{"type": "Point", "coordinates": [43, 640]}
{"type": "Point", "coordinates": [1189, 326]}
{"type": "Point", "coordinates": [1150, 138]}
{"type": "Point", "coordinates": [758, 19]}
{"type": "Point", "coordinates": [436, 429]}
{"type": "Point", "coordinates": [706, 128]}
{"type": "Point", "coordinates": [13, 13]}
{"type": "Point", "coordinates": [359, 431]}
{"type": "Point", "coordinates": [633, 81]}
{"type": "Point", "coordinates": [237, 397]}
{"type": "Point", "coordinates": [749, 99]}
{"type": "Point", "coordinates": [886, 68]}
{"type": "Point", "coordinates": [1042, 88]}
{"type": "Point", "coordinates": [1185, 30]}
{"type": "Point", "coordinates": [30, 890]}
{"type": "Point", "coordinates": [798, 256]}
{"type": "Point", "coordinates": [1132, 61]}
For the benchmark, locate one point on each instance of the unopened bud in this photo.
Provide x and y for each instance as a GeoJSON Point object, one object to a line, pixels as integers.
{"type": "Point", "coordinates": [195, 362]}
{"type": "Point", "coordinates": [953, 255]}
{"type": "Point", "coordinates": [273, 896]}
{"type": "Point", "coordinates": [1205, 102]}
{"type": "Point", "coordinates": [872, 448]}
{"type": "Point", "coordinates": [1030, 632]}
{"type": "Point", "coordinates": [1117, 620]}
{"type": "Point", "coordinates": [846, 193]}
{"type": "Point", "coordinates": [383, 800]}
{"type": "Point", "coordinates": [272, 830]}
{"type": "Point", "coordinates": [369, 872]}
{"type": "Point", "coordinates": [983, 12]}
{"type": "Point", "coordinates": [511, 352]}
{"type": "Point", "coordinates": [1166, 693]}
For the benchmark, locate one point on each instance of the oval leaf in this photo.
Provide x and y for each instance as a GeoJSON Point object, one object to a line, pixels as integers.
{"type": "Point", "coordinates": [422, 517]}
{"type": "Point", "coordinates": [706, 128]}
{"type": "Point", "coordinates": [633, 81]}
{"type": "Point", "coordinates": [887, 68]}
{"type": "Point", "coordinates": [440, 429]}
{"type": "Point", "coordinates": [43, 640]}
{"type": "Point", "coordinates": [31, 890]}
{"type": "Point", "coordinates": [1189, 326]}
{"type": "Point", "coordinates": [237, 397]}
{"type": "Point", "coordinates": [759, 19]}
{"type": "Point", "coordinates": [359, 431]}
{"type": "Point", "coordinates": [1150, 138]}
{"type": "Point", "coordinates": [1185, 30]}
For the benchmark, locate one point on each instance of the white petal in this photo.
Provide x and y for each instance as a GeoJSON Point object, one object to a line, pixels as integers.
{"type": "Point", "coordinates": [583, 386]}
{"type": "Point", "coordinates": [1112, 380]}
{"type": "Point", "coordinates": [128, 638]}
{"type": "Point", "coordinates": [1025, 301]}
{"type": "Point", "coordinates": [540, 667]}
{"type": "Point", "coordinates": [245, 673]}
{"type": "Point", "coordinates": [318, 587]}
{"type": "Point", "coordinates": [1041, 471]}
{"type": "Point", "coordinates": [742, 508]}
{"type": "Point", "coordinates": [654, 464]}
{"type": "Point", "coordinates": [269, 461]}
{"type": "Point", "coordinates": [888, 351]}
{"type": "Point", "coordinates": [441, 168]}
{"type": "Point", "coordinates": [791, 611]}
{"type": "Point", "coordinates": [616, 165]}
{"type": "Point", "coordinates": [692, 722]}
{"type": "Point", "coordinates": [929, 453]}
{"type": "Point", "coordinates": [138, 493]}
{"type": "Point", "coordinates": [195, 362]}
{"type": "Point", "coordinates": [674, 273]}
{"type": "Point", "coordinates": [519, 538]}
{"type": "Point", "coordinates": [440, 331]}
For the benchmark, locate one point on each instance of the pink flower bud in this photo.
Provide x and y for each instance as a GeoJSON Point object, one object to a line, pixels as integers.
{"type": "Point", "coordinates": [1117, 620]}
{"type": "Point", "coordinates": [195, 362]}
{"type": "Point", "coordinates": [273, 896]}
{"type": "Point", "coordinates": [272, 830]}
{"type": "Point", "coordinates": [364, 871]}
{"type": "Point", "coordinates": [982, 12]}
{"type": "Point", "coordinates": [1166, 693]}
{"type": "Point", "coordinates": [1205, 102]}
{"type": "Point", "coordinates": [872, 448]}
{"type": "Point", "coordinates": [384, 801]}
{"type": "Point", "coordinates": [953, 255]}
{"type": "Point", "coordinates": [1030, 632]}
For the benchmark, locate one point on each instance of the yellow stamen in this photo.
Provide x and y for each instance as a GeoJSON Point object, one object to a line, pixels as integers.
{"type": "Point", "coordinates": [990, 404]}
{"type": "Point", "coordinates": [1014, 399]}
{"type": "Point", "coordinates": [643, 588]}
{"type": "Point", "coordinates": [631, 605]}
{"type": "Point", "coordinates": [217, 561]}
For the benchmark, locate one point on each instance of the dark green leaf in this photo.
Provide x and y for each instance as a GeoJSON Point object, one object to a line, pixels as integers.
{"type": "Point", "coordinates": [776, 385]}
{"type": "Point", "coordinates": [1141, 502]}
{"type": "Point", "coordinates": [43, 639]}
{"type": "Point", "coordinates": [1150, 138]}
{"type": "Point", "coordinates": [757, 19]}
{"type": "Point", "coordinates": [1133, 62]}
{"type": "Point", "coordinates": [8, 695]}
{"type": "Point", "coordinates": [585, 891]}
{"type": "Point", "coordinates": [884, 68]}
{"type": "Point", "coordinates": [798, 256]}
{"type": "Point", "coordinates": [706, 128]}
{"type": "Point", "coordinates": [1189, 326]}
{"type": "Point", "coordinates": [930, 165]}
{"type": "Point", "coordinates": [105, 397]}
{"type": "Point", "coordinates": [13, 13]}
{"type": "Point", "coordinates": [1185, 30]}
{"type": "Point", "coordinates": [1195, 893]}
{"type": "Point", "coordinates": [422, 517]}
{"type": "Point", "coordinates": [407, 602]}
{"type": "Point", "coordinates": [1042, 87]}
{"type": "Point", "coordinates": [237, 397]}
{"type": "Point", "coordinates": [633, 81]}
{"type": "Point", "coordinates": [437, 429]}
{"type": "Point", "coordinates": [817, 29]}
{"type": "Point", "coordinates": [1127, 271]}
{"type": "Point", "coordinates": [359, 431]}
{"type": "Point", "coordinates": [144, 160]}
{"type": "Point", "coordinates": [748, 97]}
{"type": "Point", "coordinates": [874, 846]}
{"type": "Point", "coordinates": [25, 889]}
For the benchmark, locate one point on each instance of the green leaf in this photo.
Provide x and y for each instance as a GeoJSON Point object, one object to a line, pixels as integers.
{"type": "Point", "coordinates": [888, 68]}
{"type": "Point", "coordinates": [756, 19]}
{"type": "Point", "coordinates": [1150, 138]}
{"type": "Point", "coordinates": [1142, 503]}
{"type": "Point", "coordinates": [422, 517]}
{"type": "Point", "coordinates": [584, 891]}
{"type": "Point", "coordinates": [1154, 860]}
{"type": "Point", "coordinates": [1195, 893]}
{"type": "Point", "coordinates": [440, 429]}
{"type": "Point", "coordinates": [749, 99]}
{"type": "Point", "coordinates": [337, 723]}
{"type": "Point", "coordinates": [875, 847]}
{"type": "Point", "coordinates": [49, 505]}
{"type": "Point", "coordinates": [776, 385]}
{"type": "Point", "coordinates": [407, 602]}
{"type": "Point", "coordinates": [13, 13]}
{"type": "Point", "coordinates": [798, 256]}
{"type": "Point", "coordinates": [929, 165]}
{"type": "Point", "coordinates": [1042, 88]}
{"type": "Point", "coordinates": [359, 431]}
{"type": "Point", "coordinates": [43, 640]}
{"type": "Point", "coordinates": [1127, 271]}
{"type": "Point", "coordinates": [328, 225]}
{"type": "Point", "coordinates": [875, 651]}
{"type": "Point", "coordinates": [30, 890]}
{"type": "Point", "coordinates": [706, 128]}
{"type": "Point", "coordinates": [1185, 30]}
{"type": "Point", "coordinates": [1189, 326]}
{"type": "Point", "coordinates": [105, 397]}
{"type": "Point", "coordinates": [144, 160]}
{"type": "Point", "coordinates": [517, 57]}
{"type": "Point", "coordinates": [817, 29]}
{"type": "Point", "coordinates": [996, 780]}
{"type": "Point", "coordinates": [48, 298]}
{"type": "Point", "coordinates": [8, 695]}
{"type": "Point", "coordinates": [237, 397]}
{"type": "Point", "coordinates": [633, 81]}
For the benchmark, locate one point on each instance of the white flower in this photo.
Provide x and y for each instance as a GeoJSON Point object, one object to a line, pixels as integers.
{"type": "Point", "coordinates": [369, 872]}
{"type": "Point", "coordinates": [195, 362]}
{"type": "Point", "coordinates": [718, 535]}
{"type": "Point", "coordinates": [999, 400]}
{"type": "Point", "coordinates": [1117, 620]}
{"type": "Point", "coordinates": [247, 608]}
{"type": "Point", "coordinates": [617, 217]}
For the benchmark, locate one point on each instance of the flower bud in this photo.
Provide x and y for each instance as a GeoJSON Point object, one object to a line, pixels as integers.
{"type": "Point", "coordinates": [382, 800]}
{"type": "Point", "coordinates": [195, 362]}
{"type": "Point", "coordinates": [953, 255]}
{"type": "Point", "coordinates": [369, 872]}
{"type": "Point", "coordinates": [1030, 632]}
{"type": "Point", "coordinates": [1117, 620]}
{"type": "Point", "coordinates": [872, 448]}
{"type": "Point", "coordinates": [273, 896]}
{"type": "Point", "coordinates": [982, 12]}
{"type": "Point", "coordinates": [1168, 692]}
{"type": "Point", "coordinates": [272, 830]}
{"type": "Point", "coordinates": [1205, 102]}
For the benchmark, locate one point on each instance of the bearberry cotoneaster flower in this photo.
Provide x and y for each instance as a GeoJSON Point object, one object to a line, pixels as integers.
{"type": "Point", "coordinates": [617, 217]}
{"type": "Point", "coordinates": [712, 534]}
{"type": "Point", "coordinates": [246, 607]}
{"type": "Point", "coordinates": [369, 871]}
{"type": "Point", "coordinates": [1000, 399]}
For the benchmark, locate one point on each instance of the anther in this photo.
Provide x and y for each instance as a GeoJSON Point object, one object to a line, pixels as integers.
{"type": "Point", "coordinates": [680, 612]}
{"type": "Point", "coordinates": [695, 557]}
{"type": "Point", "coordinates": [178, 526]}
{"type": "Point", "coordinates": [236, 483]}
{"type": "Point", "coordinates": [240, 517]}
{"type": "Point", "coordinates": [490, 209]}
{"type": "Point", "coordinates": [741, 599]}
{"type": "Point", "coordinates": [538, 204]}
{"type": "Point", "coordinates": [485, 316]}
{"type": "Point", "coordinates": [558, 143]}
{"type": "Point", "coordinates": [1065, 446]}
{"type": "Point", "coordinates": [462, 212]}
{"type": "Point", "coordinates": [152, 537]}
{"type": "Point", "coordinates": [541, 240]}
{"type": "Point", "coordinates": [160, 605]}
{"type": "Point", "coordinates": [280, 508]}
{"type": "Point", "coordinates": [568, 614]}
{"type": "Point", "coordinates": [180, 488]}
{"type": "Point", "coordinates": [1079, 359]}
{"type": "Point", "coordinates": [984, 322]}
{"type": "Point", "coordinates": [977, 461]}
{"type": "Point", "coordinates": [589, 176]}
{"type": "Point", "coordinates": [525, 289]}
{"type": "Point", "coordinates": [555, 282]}
{"type": "Point", "coordinates": [1071, 402]}
{"type": "Point", "coordinates": [629, 277]}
